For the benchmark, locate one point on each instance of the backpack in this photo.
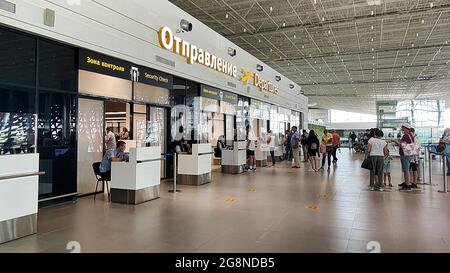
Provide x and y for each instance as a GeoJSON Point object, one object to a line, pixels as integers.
{"type": "Point", "coordinates": [314, 146]}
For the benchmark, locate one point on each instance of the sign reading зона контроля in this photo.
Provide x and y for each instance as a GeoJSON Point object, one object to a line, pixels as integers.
{"type": "Point", "coordinates": [193, 54]}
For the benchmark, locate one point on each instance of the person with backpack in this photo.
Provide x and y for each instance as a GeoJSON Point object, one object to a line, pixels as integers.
{"type": "Point", "coordinates": [313, 149]}
{"type": "Point", "coordinates": [303, 142]}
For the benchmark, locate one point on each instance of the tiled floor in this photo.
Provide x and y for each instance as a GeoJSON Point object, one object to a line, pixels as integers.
{"type": "Point", "coordinates": [269, 214]}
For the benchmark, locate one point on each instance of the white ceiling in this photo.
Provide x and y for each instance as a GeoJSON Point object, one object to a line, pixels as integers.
{"type": "Point", "coordinates": [346, 54]}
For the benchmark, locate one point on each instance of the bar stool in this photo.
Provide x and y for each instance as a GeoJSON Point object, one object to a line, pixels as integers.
{"type": "Point", "coordinates": [100, 178]}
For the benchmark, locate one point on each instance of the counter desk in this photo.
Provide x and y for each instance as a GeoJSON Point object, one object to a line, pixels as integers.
{"type": "Point", "coordinates": [19, 175]}
{"type": "Point", "coordinates": [137, 180]}
{"type": "Point", "coordinates": [195, 168]}
{"type": "Point", "coordinates": [234, 160]}
{"type": "Point", "coordinates": [261, 153]}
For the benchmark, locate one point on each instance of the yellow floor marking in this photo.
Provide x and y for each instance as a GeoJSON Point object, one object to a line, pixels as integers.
{"type": "Point", "coordinates": [323, 196]}
{"type": "Point", "coordinates": [252, 190]}
{"type": "Point", "coordinates": [312, 207]}
{"type": "Point", "coordinates": [230, 199]}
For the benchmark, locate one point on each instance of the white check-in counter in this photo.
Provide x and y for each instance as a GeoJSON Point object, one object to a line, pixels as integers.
{"type": "Point", "coordinates": [19, 190]}
{"type": "Point", "coordinates": [234, 160]}
{"type": "Point", "coordinates": [137, 180]}
{"type": "Point", "coordinates": [261, 153]}
{"type": "Point", "coordinates": [195, 168]}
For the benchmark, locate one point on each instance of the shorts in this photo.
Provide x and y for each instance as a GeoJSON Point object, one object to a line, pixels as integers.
{"type": "Point", "coordinates": [406, 163]}
{"type": "Point", "coordinates": [250, 152]}
{"type": "Point", "coordinates": [413, 166]}
{"type": "Point", "coordinates": [312, 152]}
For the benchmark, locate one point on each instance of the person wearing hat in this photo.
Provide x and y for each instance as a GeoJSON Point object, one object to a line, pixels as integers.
{"type": "Point", "coordinates": [405, 159]}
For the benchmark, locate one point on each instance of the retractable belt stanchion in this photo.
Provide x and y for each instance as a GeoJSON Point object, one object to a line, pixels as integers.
{"type": "Point", "coordinates": [174, 188]}
{"type": "Point", "coordinates": [444, 169]}
{"type": "Point", "coordinates": [429, 165]}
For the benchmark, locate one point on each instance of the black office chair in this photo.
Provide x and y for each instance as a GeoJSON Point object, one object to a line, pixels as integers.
{"type": "Point", "coordinates": [100, 178]}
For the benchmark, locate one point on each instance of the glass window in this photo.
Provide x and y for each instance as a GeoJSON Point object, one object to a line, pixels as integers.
{"type": "Point", "coordinates": [17, 133]}
{"type": "Point", "coordinates": [16, 99]}
{"type": "Point", "coordinates": [57, 143]}
{"type": "Point", "coordinates": [57, 66]}
{"type": "Point", "coordinates": [17, 58]}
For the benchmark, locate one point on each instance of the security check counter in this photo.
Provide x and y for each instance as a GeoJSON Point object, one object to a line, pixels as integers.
{"type": "Point", "coordinates": [234, 160]}
{"type": "Point", "coordinates": [19, 175]}
{"type": "Point", "coordinates": [195, 168]}
{"type": "Point", "coordinates": [137, 180]}
{"type": "Point", "coordinates": [261, 153]}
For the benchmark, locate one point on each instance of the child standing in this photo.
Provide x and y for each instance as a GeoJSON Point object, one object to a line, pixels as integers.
{"type": "Point", "coordinates": [387, 168]}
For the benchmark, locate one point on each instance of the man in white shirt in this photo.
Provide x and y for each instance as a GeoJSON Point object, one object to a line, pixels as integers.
{"type": "Point", "coordinates": [251, 147]}
{"type": "Point", "coordinates": [271, 143]}
{"type": "Point", "coordinates": [110, 139]}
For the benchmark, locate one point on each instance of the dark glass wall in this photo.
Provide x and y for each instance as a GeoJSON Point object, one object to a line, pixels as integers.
{"type": "Point", "coordinates": [39, 77]}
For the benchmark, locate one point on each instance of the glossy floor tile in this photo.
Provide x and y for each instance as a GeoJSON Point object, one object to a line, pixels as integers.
{"type": "Point", "coordinates": [271, 210]}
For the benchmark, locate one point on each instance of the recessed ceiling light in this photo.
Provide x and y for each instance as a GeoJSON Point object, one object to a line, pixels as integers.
{"type": "Point", "coordinates": [284, 24]}
{"type": "Point", "coordinates": [417, 34]}
{"type": "Point", "coordinates": [226, 15]}
{"type": "Point", "coordinates": [259, 40]}
{"type": "Point", "coordinates": [271, 9]}
{"type": "Point", "coordinates": [408, 54]}
{"type": "Point", "coordinates": [271, 50]}
{"type": "Point", "coordinates": [329, 31]}
{"type": "Point", "coordinates": [371, 12]}
{"type": "Point", "coordinates": [303, 46]}
{"type": "Point", "coordinates": [371, 40]}
{"type": "Point", "coordinates": [315, 2]}
{"type": "Point", "coordinates": [323, 19]}
{"type": "Point", "coordinates": [423, 21]}
{"type": "Point", "coordinates": [412, 45]}
{"type": "Point", "coordinates": [371, 27]}
{"type": "Point", "coordinates": [245, 30]}
{"type": "Point", "coordinates": [431, 4]}
{"type": "Point", "coordinates": [295, 36]}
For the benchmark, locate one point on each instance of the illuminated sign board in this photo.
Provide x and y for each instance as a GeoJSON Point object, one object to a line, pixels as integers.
{"type": "Point", "coordinates": [193, 54]}
{"type": "Point", "coordinates": [218, 94]}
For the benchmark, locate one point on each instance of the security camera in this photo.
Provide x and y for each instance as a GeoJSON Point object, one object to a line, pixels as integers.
{"type": "Point", "coordinates": [185, 25]}
{"type": "Point", "coordinates": [291, 86]}
{"type": "Point", "coordinates": [277, 78]}
{"type": "Point", "coordinates": [231, 51]}
{"type": "Point", "coordinates": [259, 67]}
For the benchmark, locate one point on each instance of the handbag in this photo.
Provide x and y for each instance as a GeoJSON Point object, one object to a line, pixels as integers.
{"type": "Point", "coordinates": [367, 164]}
{"type": "Point", "coordinates": [409, 148]}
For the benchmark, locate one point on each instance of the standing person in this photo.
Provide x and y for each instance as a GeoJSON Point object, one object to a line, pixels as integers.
{"type": "Point", "coordinates": [313, 149]}
{"type": "Point", "coordinates": [405, 159]}
{"type": "Point", "coordinates": [336, 145]}
{"type": "Point", "coordinates": [414, 161]}
{"type": "Point", "coordinates": [295, 141]}
{"type": "Point", "coordinates": [353, 138]}
{"type": "Point", "coordinates": [288, 145]}
{"type": "Point", "coordinates": [303, 141]}
{"type": "Point", "coordinates": [110, 139]}
{"type": "Point", "coordinates": [387, 168]}
{"type": "Point", "coordinates": [446, 140]}
{"type": "Point", "coordinates": [327, 141]}
{"type": "Point", "coordinates": [124, 135]}
{"type": "Point", "coordinates": [377, 149]}
{"type": "Point", "coordinates": [251, 146]}
{"type": "Point", "coordinates": [271, 143]}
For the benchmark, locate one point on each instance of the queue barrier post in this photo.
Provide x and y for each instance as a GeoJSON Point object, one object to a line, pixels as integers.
{"type": "Point", "coordinates": [443, 159]}
{"type": "Point", "coordinates": [174, 187]}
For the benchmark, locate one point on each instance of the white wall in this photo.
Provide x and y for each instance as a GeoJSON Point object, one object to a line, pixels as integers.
{"type": "Point", "coordinates": [127, 30]}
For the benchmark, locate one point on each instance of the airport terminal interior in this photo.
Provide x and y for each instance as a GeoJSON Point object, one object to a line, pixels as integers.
{"type": "Point", "coordinates": [224, 126]}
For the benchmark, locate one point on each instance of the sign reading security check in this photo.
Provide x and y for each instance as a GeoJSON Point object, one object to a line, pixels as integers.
{"type": "Point", "coordinates": [193, 54]}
